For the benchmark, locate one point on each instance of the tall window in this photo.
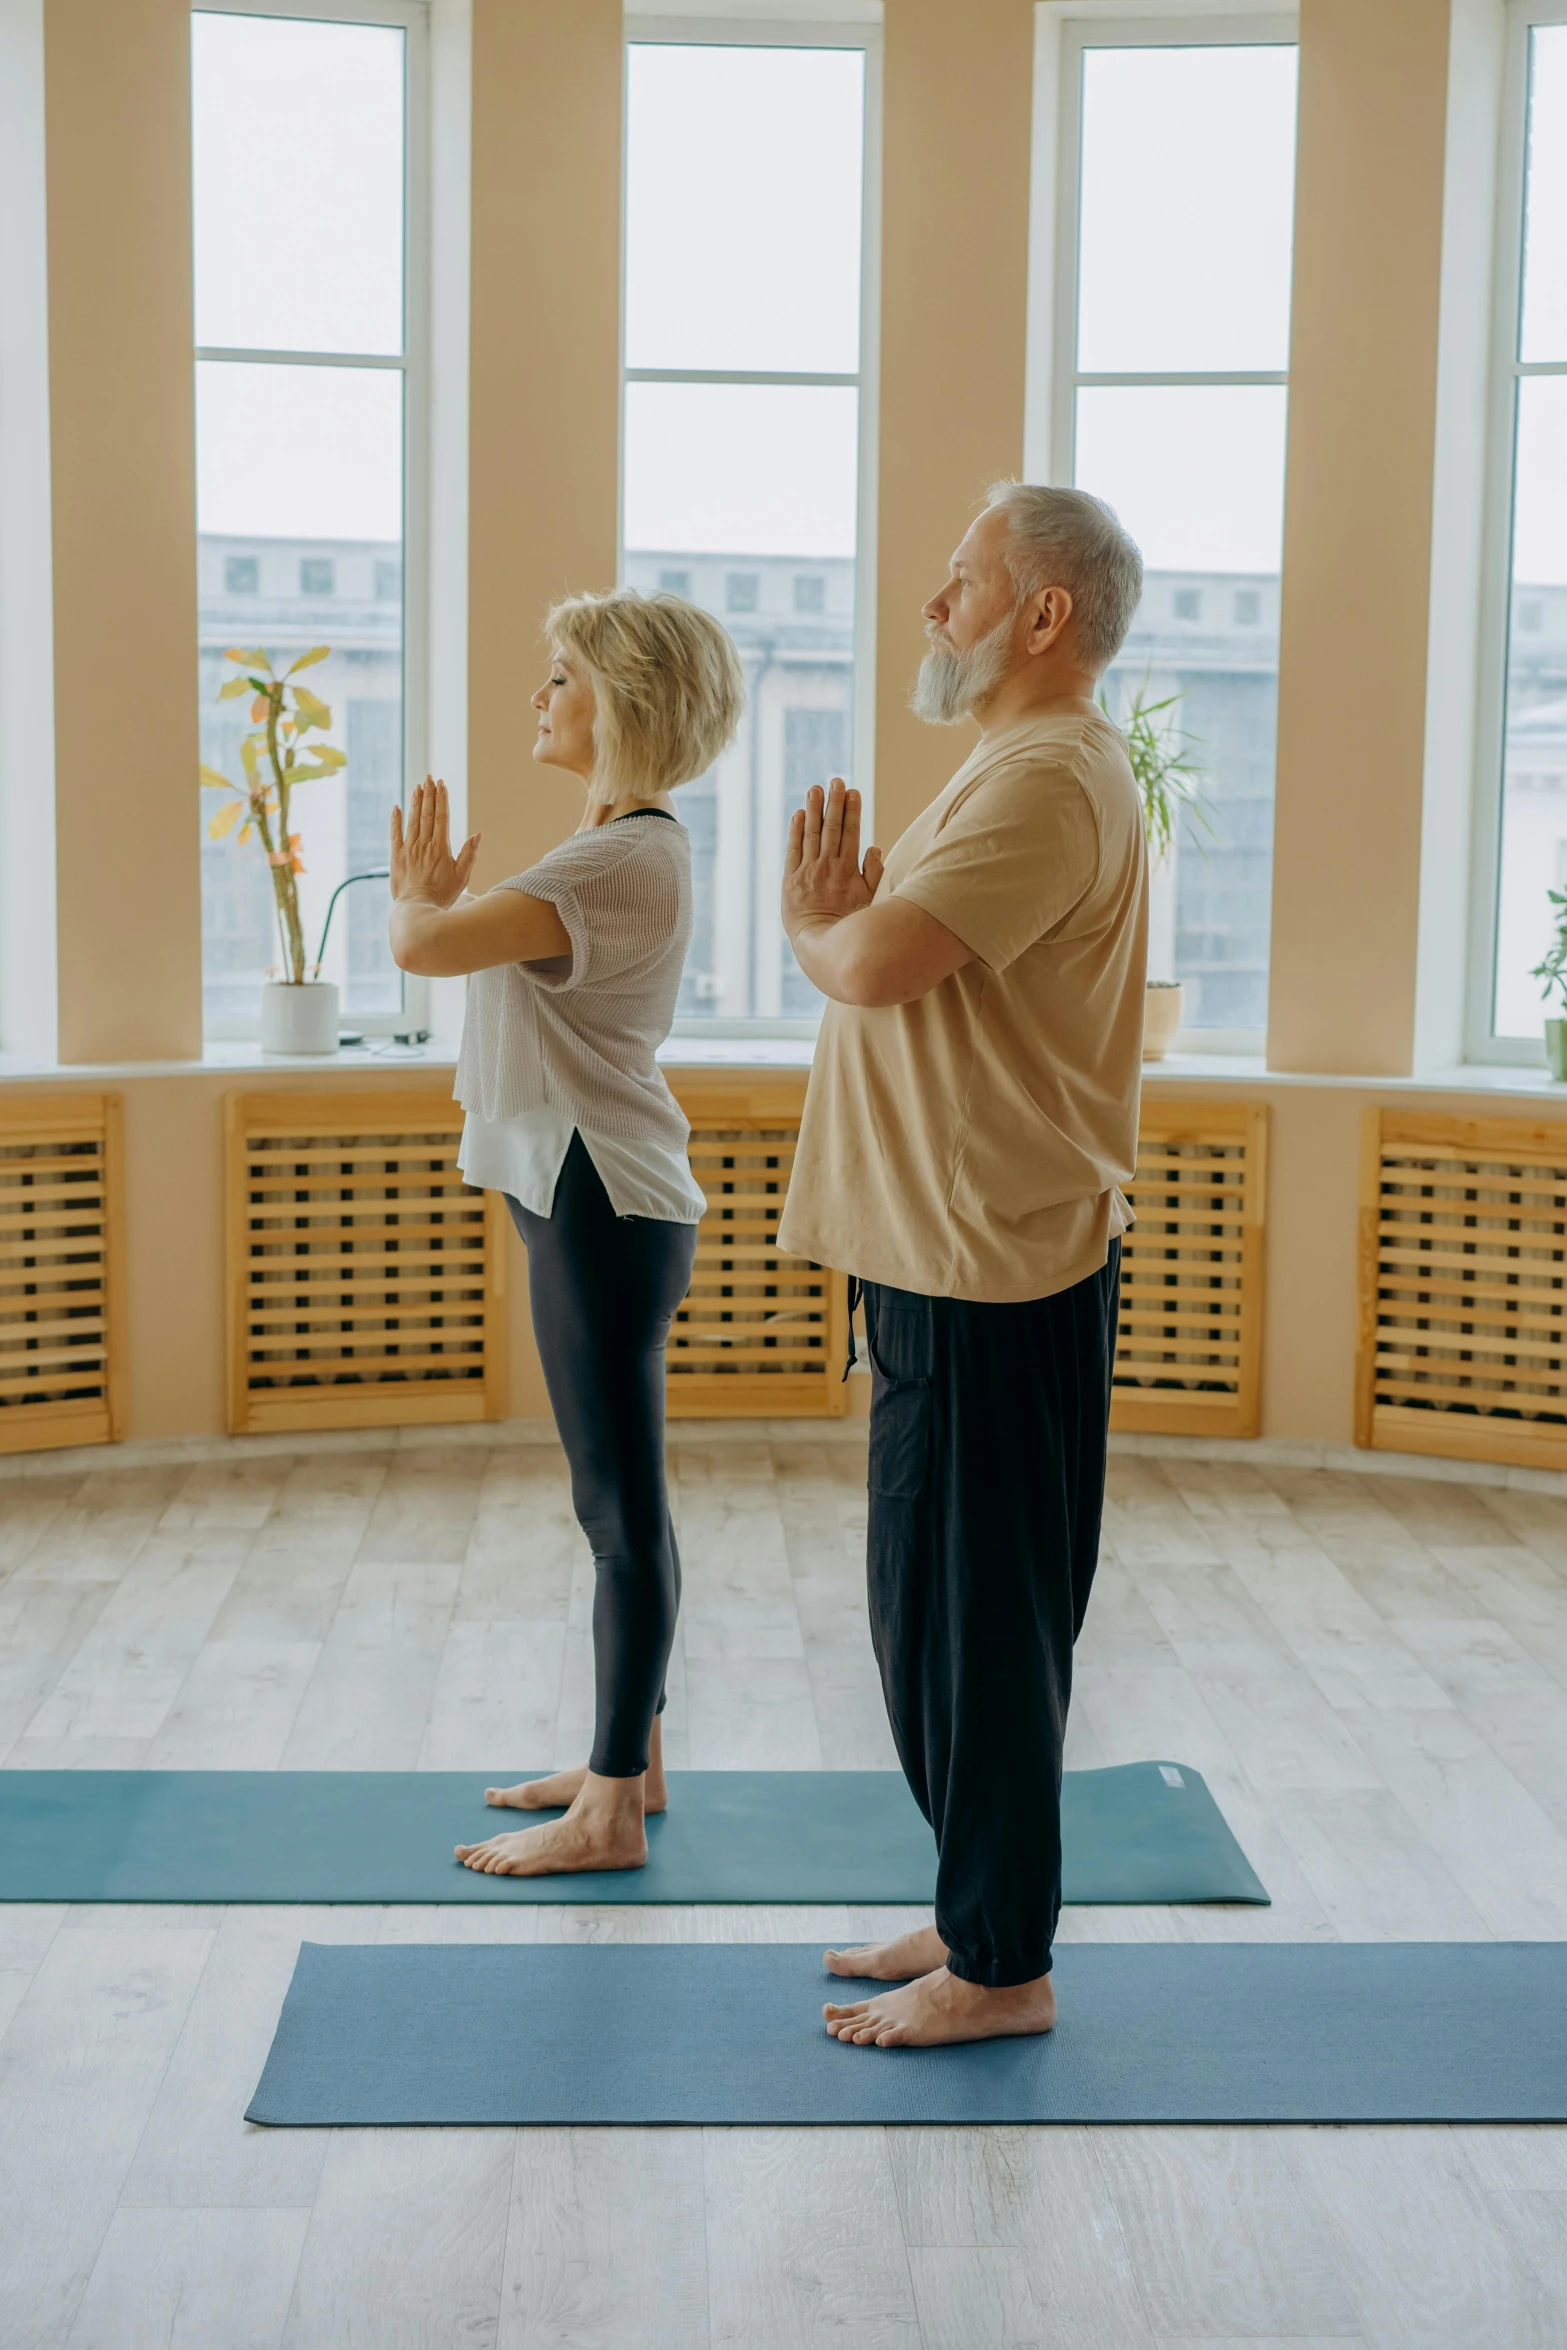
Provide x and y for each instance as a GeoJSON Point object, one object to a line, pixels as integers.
{"type": "Point", "coordinates": [302, 173]}
{"type": "Point", "coordinates": [1173, 310]}
{"type": "Point", "coordinates": [745, 366]}
{"type": "Point", "coordinates": [1523, 843]}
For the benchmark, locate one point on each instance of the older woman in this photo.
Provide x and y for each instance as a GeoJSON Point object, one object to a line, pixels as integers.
{"type": "Point", "coordinates": [576, 965]}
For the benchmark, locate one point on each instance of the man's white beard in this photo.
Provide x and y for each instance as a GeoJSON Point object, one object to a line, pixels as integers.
{"type": "Point", "coordinates": [950, 683]}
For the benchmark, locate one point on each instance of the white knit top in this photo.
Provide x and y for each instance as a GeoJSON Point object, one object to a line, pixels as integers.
{"type": "Point", "coordinates": [578, 1035]}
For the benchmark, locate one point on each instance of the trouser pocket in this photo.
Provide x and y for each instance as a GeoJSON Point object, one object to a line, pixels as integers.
{"type": "Point", "coordinates": [899, 1337]}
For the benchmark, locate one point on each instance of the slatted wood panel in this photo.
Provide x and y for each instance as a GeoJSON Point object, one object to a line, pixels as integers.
{"type": "Point", "coordinates": [1189, 1347]}
{"type": "Point", "coordinates": [364, 1276]}
{"type": "Point", "coordinates": [1463, 1288]}
{"type": "Point", "coordinates": [62, 1254]}
{"type": "Point", "coordinates": [761, 1335]}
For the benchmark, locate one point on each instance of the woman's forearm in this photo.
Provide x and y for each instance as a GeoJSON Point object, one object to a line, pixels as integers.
{"type": "Point", "coordinates": [475, 934]}
{"type": "Point", "coordinates": [415, 933]}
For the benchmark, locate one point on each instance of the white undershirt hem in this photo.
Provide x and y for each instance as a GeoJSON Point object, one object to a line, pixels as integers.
{"type": "Point", "coordinates": [523, 1157]}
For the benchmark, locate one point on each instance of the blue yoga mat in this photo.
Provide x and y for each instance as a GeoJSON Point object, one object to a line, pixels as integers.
{"type": "Point", "coordinates": [732, 2033]}
{"type": "Point", "coordinates": [1143, 1832]}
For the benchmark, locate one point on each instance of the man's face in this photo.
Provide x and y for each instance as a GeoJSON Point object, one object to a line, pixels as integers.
{"type": "Point", "coordinates": [979, 594]}
{"type": "Point", "coordinates": [972, 627]}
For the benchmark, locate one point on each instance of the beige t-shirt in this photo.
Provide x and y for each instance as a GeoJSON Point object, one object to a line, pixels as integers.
{"type": "Point", "coordinates": [972, 1143]}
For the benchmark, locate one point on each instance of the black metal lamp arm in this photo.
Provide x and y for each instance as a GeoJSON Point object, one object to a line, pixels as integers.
{"type": "Point", "coordinates": [380, 873]}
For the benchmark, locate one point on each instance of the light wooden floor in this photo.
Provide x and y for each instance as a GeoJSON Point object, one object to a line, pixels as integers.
{"type": "Point", "coordinates": [1370, 1671]}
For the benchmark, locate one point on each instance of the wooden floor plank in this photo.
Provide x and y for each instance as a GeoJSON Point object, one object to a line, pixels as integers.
{"type": "Point", "coordinates": [191, 2280]}
{"type": "Point", "coordinates": [80, 2068]}
{"type": "Point", "coordinates": [606, 2243]}
{"type": "Point", "coordinates": [804, 2244]}
{"type": "Point", "coordinates": [407, 2242]}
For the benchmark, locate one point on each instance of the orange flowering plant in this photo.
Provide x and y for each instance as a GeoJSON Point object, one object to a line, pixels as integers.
{"type": "Point", "coordinates": [275, 757]}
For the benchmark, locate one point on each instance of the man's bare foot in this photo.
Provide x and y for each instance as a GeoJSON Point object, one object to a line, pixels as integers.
{"type": "Point", "coordinates": [602, 1830]}
{"type": "Point", "coordinates": [562, 1788]}
{"type": "Point", "coordinates": [941, 2008]}
{"type": "Point", "coordinates": [897, 1961]}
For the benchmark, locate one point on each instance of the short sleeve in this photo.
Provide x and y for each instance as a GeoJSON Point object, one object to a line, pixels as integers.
{"type": "Point", "coordinates": [618, 902]}
{"type": "Point", "coordinates": [1017, 853]}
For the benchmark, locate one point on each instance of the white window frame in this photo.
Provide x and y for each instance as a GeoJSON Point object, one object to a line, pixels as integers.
{"type": "Point", "coordinates": [1496, 585]}
{"type": "Point", "coordinates": [1075, 29]}
{"type": "Point", "coordinates": [853, 29]}
{"type": "Point", "coordinates": [412, 17]}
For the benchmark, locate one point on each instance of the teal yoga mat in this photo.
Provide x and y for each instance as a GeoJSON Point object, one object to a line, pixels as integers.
{"type": "Point", "coordinates": [732, 2033]}
{"type": "Point", "coordinates": [1143, 1832]}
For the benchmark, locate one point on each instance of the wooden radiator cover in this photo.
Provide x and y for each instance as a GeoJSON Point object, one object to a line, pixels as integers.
{"type": "Point", "coordinates": [364, 1276]}
{"type": "Point", "coordinates": [761, 1334]}
{"type": "Point", "coordinates": [1189, 1347]}
{"type": "Point", "coordinates": [1463, 1288]}
{"type": "Point", "coordinates": [62, 1257]}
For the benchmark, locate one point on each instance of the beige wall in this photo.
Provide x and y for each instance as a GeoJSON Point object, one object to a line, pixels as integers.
{"type": "Point", "coordinates": [1357, 534]}
{"type": "Point", "coordinates": [954, 298]}
{"type": "Point", "coordinates": [544, 394]}
{"type": "Point", "coordinates": [117, 135]}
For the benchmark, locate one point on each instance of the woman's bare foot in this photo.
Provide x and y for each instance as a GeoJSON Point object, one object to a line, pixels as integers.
{"type": "Point", "coordinates": [896, 1961]}
{"type": "Point", "coordinates": [602, 1830]}
{"type": "Point", "coordinates": [562, 1788]}
{"type": "Point", "coordinates": [941, 2008]}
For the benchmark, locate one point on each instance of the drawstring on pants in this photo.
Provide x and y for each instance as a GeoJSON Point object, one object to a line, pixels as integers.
{"type": "Point", "coordinates": [856, 1292]}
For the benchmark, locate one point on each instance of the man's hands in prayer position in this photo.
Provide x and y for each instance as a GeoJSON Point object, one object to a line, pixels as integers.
{"type": "Point", "coordinates": [856, 947]}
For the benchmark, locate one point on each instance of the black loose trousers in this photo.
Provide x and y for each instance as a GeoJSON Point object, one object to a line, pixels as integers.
{"type": "Point", "coordinates": [602, 1290]}
{"type": "Point", "coordinates": [987, 1465]}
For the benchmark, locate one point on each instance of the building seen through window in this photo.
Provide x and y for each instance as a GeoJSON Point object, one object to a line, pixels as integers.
{"type": "Point", "coordinates": [1531, 818]}
{"type": "Point", "coordinates": [1174, 410]}
{"type": "Point", "coordinates": [300, 464]}
{"type": "Point", "coordinates": [742, 451]}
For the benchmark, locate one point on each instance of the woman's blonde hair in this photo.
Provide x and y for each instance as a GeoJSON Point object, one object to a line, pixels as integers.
{"type": "Point", "coordinates": [667, 686]}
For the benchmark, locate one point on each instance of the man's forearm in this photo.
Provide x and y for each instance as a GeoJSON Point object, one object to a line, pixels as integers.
{"type": "Point", "coordinates": [888, 953]}
{"type": "Point", "coordinates": [825, 954]}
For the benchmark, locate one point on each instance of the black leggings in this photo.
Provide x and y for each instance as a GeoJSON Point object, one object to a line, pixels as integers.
{"type": "Point", "coordinates": [602, 1290]}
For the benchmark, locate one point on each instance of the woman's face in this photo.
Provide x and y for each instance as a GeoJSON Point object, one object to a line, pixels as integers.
{"type": "Point", "coordinates": [564, 703]}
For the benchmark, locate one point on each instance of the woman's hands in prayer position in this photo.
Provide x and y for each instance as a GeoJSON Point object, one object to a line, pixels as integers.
{"type": "Point", "coordinates": [434, 929]}
{"type": "Point", "coordinates": [422, 862]}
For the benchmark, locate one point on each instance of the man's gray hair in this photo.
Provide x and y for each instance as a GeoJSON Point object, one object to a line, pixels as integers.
{"type": "Point", "coordinates": [1065, 538]}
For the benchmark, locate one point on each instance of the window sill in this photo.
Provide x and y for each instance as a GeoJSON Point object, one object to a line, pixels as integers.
{"type": "Point", "coordinates": [241, 1057]}
{"type": "Point", "coordinates": [784, 1052]}
{"type": "Point", "coordinates": [1473, 1077]}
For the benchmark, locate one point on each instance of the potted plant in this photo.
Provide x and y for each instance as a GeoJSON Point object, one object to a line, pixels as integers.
{"type": "Point", "coordinates": [1167, 780]}
{"type": "Point", "coordinates": [298, 1014]}
{"type": "Point", "coordinates": [1551, 971]}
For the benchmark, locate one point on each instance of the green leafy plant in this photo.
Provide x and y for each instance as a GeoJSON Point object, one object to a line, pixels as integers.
{"type": "Point", "coordinates": [1551, 970]}
{"type": "Point", "coordinates": [1168, 779]}
{"type": "Point", "coordinates": [276, 759]}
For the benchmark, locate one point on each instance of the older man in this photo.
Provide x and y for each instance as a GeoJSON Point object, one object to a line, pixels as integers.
{"type": "Point", "coordinates": [972, 1111]}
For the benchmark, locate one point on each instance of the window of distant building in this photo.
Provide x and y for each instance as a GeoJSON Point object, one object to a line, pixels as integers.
{"type": "Point", "coordinates": [1171, 305]}
{"type": "Point", "coordinates": [301, 152]}
{"type": "Point", "coordinates": [744, 465]}
{"type": "Point", "coordinates": [1522, 792]}
{"type": "Point", "coordinates": [675, 583]}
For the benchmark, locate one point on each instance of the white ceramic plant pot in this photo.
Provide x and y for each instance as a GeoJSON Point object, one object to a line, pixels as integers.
{"type": "Point", "coordinates": [1161, 1017]}
{"type": "Point", "coordinates": [299, 1019]}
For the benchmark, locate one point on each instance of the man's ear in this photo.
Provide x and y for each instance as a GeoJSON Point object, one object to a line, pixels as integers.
{"type": "Point", "coordinates": [1051, 614]}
